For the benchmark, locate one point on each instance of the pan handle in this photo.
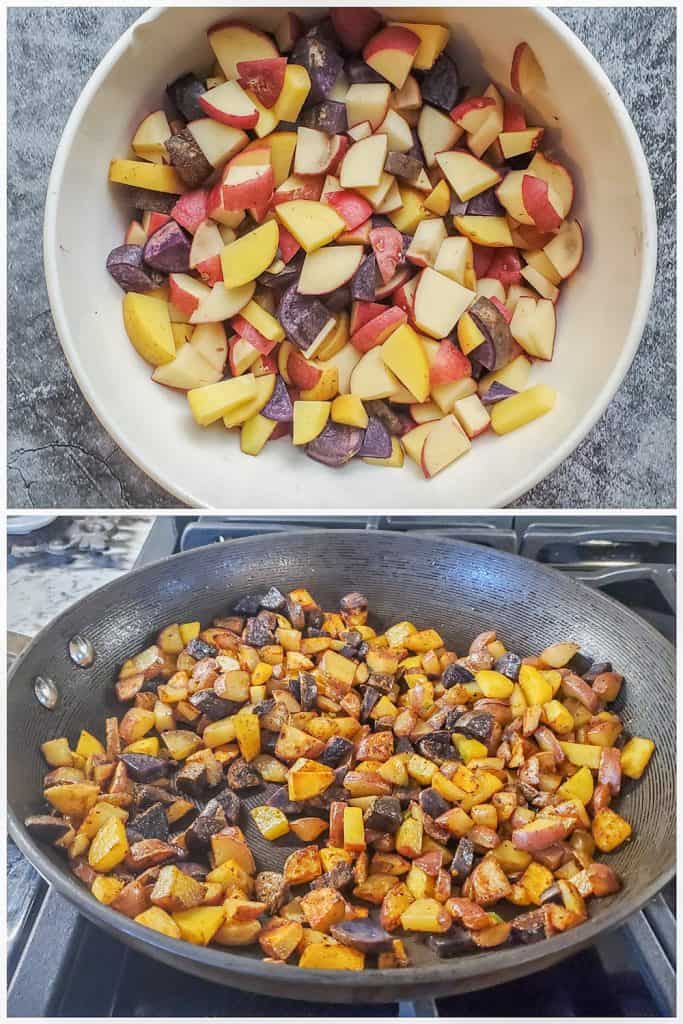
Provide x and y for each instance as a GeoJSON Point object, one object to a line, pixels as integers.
{"type": "Point", "coordinates": [16, 645]}
{"type": "Point", "coordinates": [662, 576]}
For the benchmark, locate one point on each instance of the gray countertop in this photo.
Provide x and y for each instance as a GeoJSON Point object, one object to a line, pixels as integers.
{"type": "Point", "coordinates": [60, 456]}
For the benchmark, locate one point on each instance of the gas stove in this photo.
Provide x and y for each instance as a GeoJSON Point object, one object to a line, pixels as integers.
{"type": "Point", "coordinates": [61, 965]}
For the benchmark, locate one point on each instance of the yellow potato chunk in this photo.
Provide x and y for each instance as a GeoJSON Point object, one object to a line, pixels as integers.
{"type": "Point", "coordinates": [425, 915]}
{"type": "Point", "coordinates": [57, 753]}
{"type": "Point", "coordinates": [404, 353]}
{"type": "Point", "coordinates": [610, 830]}
{"type": "Point", "coordinates": [270, 821]}
{"type": "Point", "coordinates": [247, 257]}
{"type": "Point", "coordinates": [213, 401]}
{"type": "Point", "coordinates": [140, 174]}
{"type": "Point", "coordinates": [313, 224]}
{"type": "Point", "coordinates": [332, 958]}
{"type": "Point", "coordinates": [105, 888]}
{"type": "Point", "coordinates": [310, 419]}
{"type": "Point", "coordinates": [109, 847]}
{"type": "Point", "coordinates": [200, 924]}
{"type": "Point", "coordinates": [520, 409]}
{"type": "Point", "coordinates": [635, 756]}
{"type": "Point", "coordinates": [148, 326]}
{"type": "Point", "coordinates": [159, 921]}
{"type": "Point", "coordinates": [350, 410]}
{"type": "Point", "coordinates": [494, 684]}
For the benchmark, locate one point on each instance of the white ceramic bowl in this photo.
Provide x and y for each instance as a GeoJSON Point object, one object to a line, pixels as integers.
{"type": "Point", "coordinates": [601, 313]}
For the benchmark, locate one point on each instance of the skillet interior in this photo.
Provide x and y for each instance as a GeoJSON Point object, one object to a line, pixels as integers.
{"type": "Point", "coordinates": [458, 588]}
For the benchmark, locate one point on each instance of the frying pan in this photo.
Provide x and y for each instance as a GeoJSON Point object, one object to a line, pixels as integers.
{"type": "Point", "coordinates": [459, 589]}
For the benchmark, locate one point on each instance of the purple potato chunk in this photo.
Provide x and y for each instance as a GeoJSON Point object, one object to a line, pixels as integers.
{"type": "Point", "coordinates": [382, 410]}
{"type": "Point", "coordinates": [484, 355]}
{"type": "Point", "coordinates": [364, 281]}
{"type": "Point", "coordinates": [362, 933]}
{"type": "Point", "coordinates": [168, 249]}
{"type": "Point", "coordinates": [509, 664]}
{"type": "Point", "coordinates": [336, 445]}
{"type": "Point", "coordinates": [146, 199]}
{"type": "Point", "coordinates": [188, 159]}
{"type": "Point", "coordinates": [377, 440]}
{"type": "Point", "coordinates": [145, 767]}
{"type": "Point", "coordinates": [184, 94]}
{"type": "Point", "coordinates": [485, 205]}
{"type": "Point", "coordinates": [436, 746]}
{"type": "Point", "coordinates": [403, 166]}
{"type": "Point", "coordinates": [463, 861]}
{"type": "Point", "coordinates": [279, 406]}
{"type": "Point", "coordinates": [211, 705]}
{"type": "Point", "coordinates": [288, 275]}
{"type": "Point", "coordinates": [339, 299]}
{"type": "Point", "coordinates": [124, 263]}
{"type": "Point", "coordinates": [303, 317]}
{"type": "Point", "coordinates": [453, 674]}
{"type": "Point", "coordinates": [432, 803]}
{"type": "Point", "coordinates": [337, 750]}
{"type": "Point", "coordinates": [440, 85]}
{"type": "Point", "coordinates": [476, 725]}
{"type": "Point", "coordinates": [496, 330]}
{"type": "Point", "coordinates": [497, 392]}
{"type": "Point", "coordinates": [416, 150]}
{"type": "Point", "coordinates": [152, 823]}
{"type": "Point", "coordinates": [360, 73]}
{"type": "Point", "coordinates": [317, 53]}
{"type": "Point", "coordinates": [45, 828]}
{"type": "Point", "coordinates": [384, 815]}
{"type": "Point", "coordinates": [529, 927]}
{"type": "Point", "coordinates": [328, 116]}
{"type": "Point", "coordinates": [454, 942]}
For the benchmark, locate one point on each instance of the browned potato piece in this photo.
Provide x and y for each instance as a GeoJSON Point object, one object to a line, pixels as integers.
{"type": "Point", "coordinates": [174, 891]}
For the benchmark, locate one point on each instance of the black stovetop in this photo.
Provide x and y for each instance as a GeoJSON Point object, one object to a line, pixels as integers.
{"type": "Point", "coordinates": [61, 965]}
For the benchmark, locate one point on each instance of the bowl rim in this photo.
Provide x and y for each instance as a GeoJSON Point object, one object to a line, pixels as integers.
{"type": "Point", "coordinates": [546, 465]}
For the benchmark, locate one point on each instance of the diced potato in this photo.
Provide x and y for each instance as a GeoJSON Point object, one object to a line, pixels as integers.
{"type": "Point", "coordinates": [558, 717]}
{"type": "Point", "coordinates": [394, 903]}
{"type": "Point", "coordinates": [468, 749]}
{"type": "Point", "coordinates": [106, 888]}
{"type": "Point", "coordinates": [579, 786]}
{"type": "Point", "coordinates": [230, 844]}
{"type": "Point", "coordinates": [199, 924]}
{"type": "Point", "coordinates": [323, 908]}
{"type": "Point", "coordinates": [354, 829]}
{"type": "Point", "coordinates": [303, 866]}
{"type": "Point", "coordinates": [279, 938]}
{"type": "Point", "coordinates": [174, 891]}
{"type": "Point", "coordinates": [307, 779]}
{"type": "Point", "coordinates": [510, 858]}
{"type": "Point", "coordinates": [494, 685]}
{"type": "Point", "coordinates": [515, 412]}
{"type": "Point", "coordinates": [409, 838]}
{"type": "Point", "coordinates": [88, 744]}
{"type": "Point", "coordinates": [149, 745]}
{"type": "Point", "coordinates": [135, 724]}
{"type": "Point", "coordinates": [237, 933]}
{"type": "Point", "coordinates": [558, 655]}
{"type": "Point", "coordinates": [98, 815]}
{"type": "Point", "coordinates": [219, 732]}
{"type": "Point", "coordinates": [425, 915]}
{"type": "Point", "coordinates": [338, 667]}
{"type": "Point", "coordinates": [375, 888]}
{"type": "Point", "coordinates": [535, 880]}
{"type": "Point", "coordinates": [181, 743]}
{"type": "Point", "coordinates": [331, 855]}
{"type": "Point", "coordinates": [232, 877]}
{"type": "Point", "coordinates": [248, 735]}
{"type": "Point", "coordinates": [582, 754]}
{"type": "Point", "coordinates": [535, 687]}
{"type": "Point", "coordinates": [635, 756]}
{"type": "Point", "coordinates": [396, 635]}
{"type": "Point", "coordinates": [159, 921]}
{"type": "Point", "coordinates": [270, 821]}
{"type": "Point", "coordinates": [421, 769]}
{"type": "Point", "coordinates": [332, 958]}
{"type": "Point", "coordinates": [109, 847]}
{"type": "Point", "coordinates": [425, 640]}
{"type": "Point", "coordinates": [73, 799]}
{"type": "Point", "coordinates": [57, 753]}
{"type": "Point", "coordinates": [610, 830]}
{"type": "Point", "coordinates": [418, 883]}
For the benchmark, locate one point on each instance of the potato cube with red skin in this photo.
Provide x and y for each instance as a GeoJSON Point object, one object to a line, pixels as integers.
{"type": "Point", "coordinates": [323, 908]}
{"type": "Point", "coordinates": [279, 938]}
{"type": "Point", "coordinates": [230, 844]}
{"type": "Point", "coordinates": [174, 891]}
{"type": "Point", "coordinates": [596, 879]}
{"type": "Point", "coordinates": [303, 866]}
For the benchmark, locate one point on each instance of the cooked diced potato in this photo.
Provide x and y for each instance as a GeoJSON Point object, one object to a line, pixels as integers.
{"type": "Point", "coordinates": [98, 815]}
{"type": "Point", "coordinates": [238, 933]}
{"type": "Point", "coordinates": [57, 753]}
{"type": "Point", "coordinates": [535, 687]}
{"type": "Point", "coordinates": [199, 924]}
{"type": "Point", "coordinates": [425, 640]}
{"type": "Point", "coordinates": [135, 724]}
{"type": "Point", "coordinates": [181, 743]}
{"type": "Point", "coordinates": [232, 877]}
{"type": "Point", "coordinates": [109, 847]}
{"type": "Point", "coordinates": [332, 958]}
{"type": "Point", "coordinates": [73, 799]}
{"type": "Point", "coordinates": [270, 821]}
{"type": "Point", "coordinates": [307, 779]}
{"type": "Point", "coordinates": [323, 908]}
{"type": "Point", "coordinates": [303, 866]}
{"type": "Point", "coordinates": [425, 915]}
{"type": "Point", "coordinates": [409, 838]}
{"type": "Point", "coordinates": [579, 786]}
{"type": "Point", "coordinates": [375, 888]}
{"type": "Point", "coordinates": [635, 756]}
{"type": "Point", "coordinates": [279, 938]}
{"type": "Point", "coordinates": [230, 844]}
{"type": "Point", "coordinates": [468, 749]}
{"type": "Point", "coordinates": [174, 891]}
{"type": "Point", "coordinates": [106, 888]}
{"type": "Point", "coordinates": [494, 684]}
{"type": "Point", "coordinates": [159, 921]}
{"type": "Point", "coordinates": [610, 830]}
{"type": "Point", "coordinates": [88, 744]}
{"type": "Point", "coordinates": [582, 754]}
{"type": "Point", "coordinates": [220, 732]}
{"type": "Point", "coordinates": [535, 880]}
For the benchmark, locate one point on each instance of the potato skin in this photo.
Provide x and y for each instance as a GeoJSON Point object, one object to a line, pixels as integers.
{"type": "Point", "coordinates": [188, 159]}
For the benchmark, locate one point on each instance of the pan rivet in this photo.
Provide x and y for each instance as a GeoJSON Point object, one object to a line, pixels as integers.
{"type": "Point", "coordinates": [46, 692]}
{"type": "Point", "coordinates": [81, 651]}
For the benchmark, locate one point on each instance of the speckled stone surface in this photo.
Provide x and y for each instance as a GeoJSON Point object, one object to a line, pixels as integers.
{"type": "Point", "coordinates": [59, 455]}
